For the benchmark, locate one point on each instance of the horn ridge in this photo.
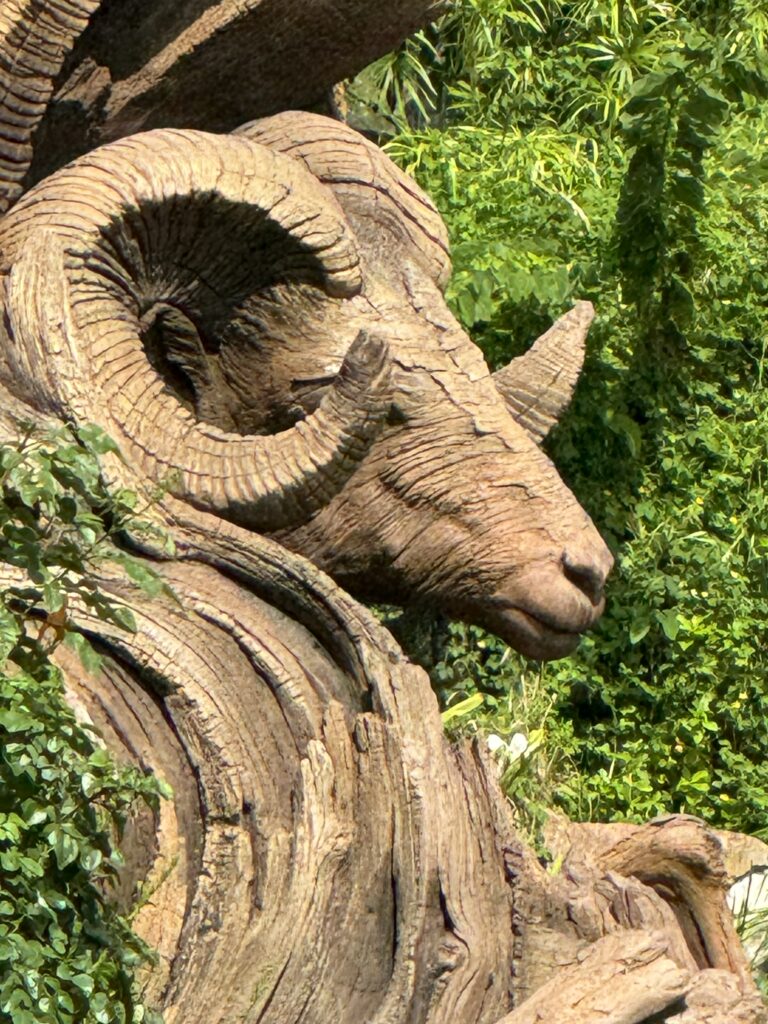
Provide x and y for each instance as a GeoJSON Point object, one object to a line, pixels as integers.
{"type": "Point", "coordinates": [160, 218]}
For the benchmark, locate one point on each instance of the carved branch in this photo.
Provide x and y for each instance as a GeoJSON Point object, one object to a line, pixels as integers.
{"type": "Point", "coordinates": [621, 979]}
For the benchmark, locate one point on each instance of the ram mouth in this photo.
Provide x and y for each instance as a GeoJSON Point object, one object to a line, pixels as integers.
{"type": "Point", "coordinates": [541, 637]}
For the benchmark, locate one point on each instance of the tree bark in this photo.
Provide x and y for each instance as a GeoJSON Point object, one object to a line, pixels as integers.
{"type": "Point", "coordinates": [328, 855]}
{"type": "Point", "coordinates": [84, 72]}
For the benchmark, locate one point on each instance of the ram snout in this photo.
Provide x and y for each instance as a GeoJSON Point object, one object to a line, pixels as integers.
{"type": "Point", "coordinates": [456, 507]}
{"type": "Point", "coordinates": [293, 367]}
{"type": "Point", "coordinates": [544, 611]}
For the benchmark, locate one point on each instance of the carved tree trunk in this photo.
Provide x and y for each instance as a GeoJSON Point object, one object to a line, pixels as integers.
{"type": "Point", "coordinates": [82, 72]}
{"type": "Point", "coordinates": [327, 856]}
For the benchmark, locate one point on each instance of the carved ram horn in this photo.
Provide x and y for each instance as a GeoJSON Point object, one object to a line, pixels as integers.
{"type": "Point", "coordinates": [538, 385]}
{"type": "Point", "coordinates": [187, 224]}
{"type": "Point", "coordinates": [379, 200]}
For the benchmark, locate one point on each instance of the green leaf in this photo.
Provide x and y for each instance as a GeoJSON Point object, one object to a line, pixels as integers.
{"type": "Point", "coordinates": [91, 860]}
{"type": "Point", "coordinates": [90, 784]}
{"type": "Point", "coordinates": [84, 983]}
{"type": "Point", "coordinates": [82, 646]}
{"type": "Point", "coordinates": [65, 847]}
{"type": "Point", "coordinates": [99, 758]}
{"type": "Point", "coordinates": [638, 630]}
{"type": "Point", "coordinates": [18, 721]}
{"type": "Point", "coordinates": [164, 789]}
{"type": "Point", "coordinates": [147, 578]}
{"type": "Point", "coordinates": [33, 812]}
{"type": "Point", "coordinates": [54, 596]}
{"type": "Point", "coordinates": [96, 440]}
{"type": "Point", "coordinates": [669, 623]}
{"type": "Point", "coordinates": [464, 707]}
{"type": "Point", "coordinates": [121, 615]}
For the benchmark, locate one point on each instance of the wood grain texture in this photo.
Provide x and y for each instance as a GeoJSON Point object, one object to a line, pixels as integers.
{"type": "Point", "coordinates": [539, 385]}
{"type": "Point", "coordinates": [207, 64]}
{"type": "Point", "coordinates": [259, 319]}
{"type": "Point", "coordinates": [36, 36]}
{"type": "Point", "coordinates": [625, 978]}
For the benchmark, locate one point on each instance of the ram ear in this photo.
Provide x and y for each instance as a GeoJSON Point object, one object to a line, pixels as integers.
{"type": "Point", "coordinates": [538, 386]}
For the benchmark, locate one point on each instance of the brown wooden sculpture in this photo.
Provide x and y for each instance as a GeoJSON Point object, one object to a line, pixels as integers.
{"type": "Point", "coordinates": [255, 315]}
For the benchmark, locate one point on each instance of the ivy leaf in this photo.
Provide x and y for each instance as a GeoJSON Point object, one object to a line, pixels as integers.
{"type": "Point", "coordinates": [670, 623]}
{"type": "Point", "coordinates": [91, 860]}
{"type": "Point", "coordinates": [18, 721]}
{"type": "Point", "coordinates": [84, 982]}
{"type": "Point", "coordinates": [90, 784]}
{"type": "Point", "coordinates": [64, 846]}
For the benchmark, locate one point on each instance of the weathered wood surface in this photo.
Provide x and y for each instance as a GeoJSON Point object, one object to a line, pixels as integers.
{"type": "Point", "coordinates": [630, 978]}
{"type": "Point", "coordinates": [261, 314]}
{"type": "Point", "coordinates": [307, 808]}
{"type": "Point", "coordinates": [681, 859]}
{"type": "Point", "coordinates": [621, 979]}
{"type": "Point", "coordinates": [329, 857]}
{"type": "Point", "coordinates": [77, 73]}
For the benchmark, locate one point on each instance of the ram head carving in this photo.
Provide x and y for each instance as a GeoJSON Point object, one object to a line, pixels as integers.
{"type": "Point", "coordinates": [258, 320]}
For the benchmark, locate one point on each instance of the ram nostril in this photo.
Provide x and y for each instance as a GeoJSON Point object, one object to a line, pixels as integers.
{"type": "Point", "coordinates": [585, 573]}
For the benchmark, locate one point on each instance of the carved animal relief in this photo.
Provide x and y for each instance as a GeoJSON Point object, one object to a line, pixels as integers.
{"type": "Point", "coordinates": [256, 316]}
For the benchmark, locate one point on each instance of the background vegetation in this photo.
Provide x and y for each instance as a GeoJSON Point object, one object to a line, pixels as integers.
{"type": "Point", "coordinates": [615, 151]}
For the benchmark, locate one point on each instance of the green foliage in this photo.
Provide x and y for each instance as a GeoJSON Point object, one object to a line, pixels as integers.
{"type": "Point", "coordinates": [57, 524]}
{"type": "Point", "coordinates": [65, 953]}
{"type": "Point", "coordinates": [611, 151]}
{"type": "Point", "coordinates": [748, 900]}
